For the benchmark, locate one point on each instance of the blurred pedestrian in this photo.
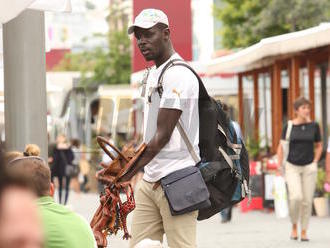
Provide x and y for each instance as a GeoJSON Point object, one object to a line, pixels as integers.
{"type": "Point", "coordinates": [305, 150]}
{"type": "Point", "coordinates": [20, 224]}
{"type": "Point", "coordinates": [51, 148]}
{"type": "Point", "coordinates": [63, 228]}
{"type": "Point", "coordinates": [226, 214]}
{"type": "Point", "coordinates": [75, 147]}
{"type": "Point", "coordinates": [84, 171]}
{"type": "Point", "coordinates": [63, 157]}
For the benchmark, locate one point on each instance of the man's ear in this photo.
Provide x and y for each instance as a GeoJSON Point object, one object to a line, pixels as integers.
{"type": "Point", "coordinates": [51, 190]}
{"type": "Point", "coordinates": [166, 32]}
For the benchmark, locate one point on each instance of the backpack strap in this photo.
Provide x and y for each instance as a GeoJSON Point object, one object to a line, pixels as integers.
{"type": "Point", "coordinates": [160, 78]}
{"type": "Point", "coordinates": [235, 147]}
{"type": "Point", "coordinates": [179, 62]}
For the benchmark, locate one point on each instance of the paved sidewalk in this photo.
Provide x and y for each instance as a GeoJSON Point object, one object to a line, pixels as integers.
{"type": "Point", "coordinates": [252, 230]}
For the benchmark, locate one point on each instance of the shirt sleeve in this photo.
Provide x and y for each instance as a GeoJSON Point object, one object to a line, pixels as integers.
{"type": "Point", "coordinates": [284, 132]}
{"type": "Point", "coordinates": [178, 87]}
{"type": "Point", "coordinates": [317, 137]}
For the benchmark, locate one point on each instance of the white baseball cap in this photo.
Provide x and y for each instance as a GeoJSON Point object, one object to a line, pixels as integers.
{"type": "Point", "coordinates": [148, 18]}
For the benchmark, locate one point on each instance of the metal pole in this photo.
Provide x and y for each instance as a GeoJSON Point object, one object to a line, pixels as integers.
{"type": "Point", "coordinates": [25, 81]}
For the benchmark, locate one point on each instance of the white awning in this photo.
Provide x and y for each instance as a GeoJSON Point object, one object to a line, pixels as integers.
{"type": "Point", "coordinates": [11, 9]}
{"type": "Point", "coordinates": [274, 46]}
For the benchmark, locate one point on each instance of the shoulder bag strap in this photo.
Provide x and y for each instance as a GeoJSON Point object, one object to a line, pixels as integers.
{"type": "Point", "coordinates": [179, 125]}
{"type": "Point", "coordinates": [288, 131]}
{"type": "Point", "coordinates": [187, 142]}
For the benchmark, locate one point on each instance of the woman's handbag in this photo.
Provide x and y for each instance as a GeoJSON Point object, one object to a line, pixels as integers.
{"type": "Point", "coordinates": [280, 197]}
{"type": "Point", "coordinates": [70, 170]}
{"type": "Point", "coordinates": [285, 143]}
{"type": "Point", "coordinates": [185, 189]}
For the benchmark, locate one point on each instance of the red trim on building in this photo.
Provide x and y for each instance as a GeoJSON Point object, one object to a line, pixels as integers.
{"type": "Point", "coordinates": [54, 57]}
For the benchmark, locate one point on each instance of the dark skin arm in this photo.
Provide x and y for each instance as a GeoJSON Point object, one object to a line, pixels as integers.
{"type": "Point", "coordinates": [166, 121]}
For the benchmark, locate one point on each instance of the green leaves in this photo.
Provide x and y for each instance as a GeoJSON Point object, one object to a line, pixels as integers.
{"type": "Point", "coordinates": [245, 22]}
{"type": "Point", "coordinates": [104, 65]}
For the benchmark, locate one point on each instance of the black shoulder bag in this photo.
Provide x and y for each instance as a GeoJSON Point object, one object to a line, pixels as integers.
{"type": "Point", "coordinates": [184, 189]}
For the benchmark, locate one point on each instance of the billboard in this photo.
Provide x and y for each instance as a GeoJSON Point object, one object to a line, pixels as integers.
{"type": "Point", "coordinates": [179, 16]}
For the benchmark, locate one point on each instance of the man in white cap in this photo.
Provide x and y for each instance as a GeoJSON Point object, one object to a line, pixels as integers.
{"type": "Point", "coordinates": [166, 151]}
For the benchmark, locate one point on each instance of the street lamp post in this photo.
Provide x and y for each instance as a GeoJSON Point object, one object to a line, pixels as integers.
{"type": "Point", "coordinates": [25, 81]}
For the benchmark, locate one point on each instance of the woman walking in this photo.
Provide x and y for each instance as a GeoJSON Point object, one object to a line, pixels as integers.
{"type": "Point", "coordinates": [63, 157]}
{"type": "Point", "coordinates": [305, 150]}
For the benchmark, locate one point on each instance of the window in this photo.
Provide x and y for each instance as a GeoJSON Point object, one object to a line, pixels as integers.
{"type": "Point", "coordinates": [303, 82]}
{"type": "Point", "coordinates": [248, 107]}
{"type": "Point", "coordinates": [265, 108]}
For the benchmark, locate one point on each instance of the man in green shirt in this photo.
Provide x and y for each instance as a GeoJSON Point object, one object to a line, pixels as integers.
{"type": "Point", "coordinates": [62, 227]}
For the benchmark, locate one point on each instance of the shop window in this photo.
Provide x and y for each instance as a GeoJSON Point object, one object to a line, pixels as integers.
{"type": "Point", "coordinates": [248, 107]}
{"type": "Point", "coordinates": [328, 103]}
{"type": "Point", "coordinates": [318, 97]}
{"type": "Point", "coordinates": [124, 118]}
{"type": "Point", "coordinates": [285, 82]}
{"type": "Point", "coordinates": [303, 83]}
{"type": "Point", "coordinates": [265, 114]}
{"type": "Point", "coordinates": [105, 116]}
{"type": "Point", "coordinates": [322, 101]}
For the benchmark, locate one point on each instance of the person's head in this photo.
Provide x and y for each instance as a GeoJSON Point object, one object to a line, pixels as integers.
{"type": "Point", "coordinates": [109, 135]}
{"type": "Point", "coordinates": [31, 150]}
{"type": "Point", "coordinates": [302, 108]}
{"type": "Point", "coordinates": [11, 155]}
{"type": "Point", "coordinates": [61, 139]}
{"type": "Point", "coordinates": [75, 142]}
{"type": "Point", "coordinates": [151, 30]}
{"type": "Point", "coordinates": [35, 170]}
{"type": "Point", "coordinates": [20, 225]}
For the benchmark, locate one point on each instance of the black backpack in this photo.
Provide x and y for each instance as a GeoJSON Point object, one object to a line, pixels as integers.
{"type": "Point", "coordinates": [224, 159]}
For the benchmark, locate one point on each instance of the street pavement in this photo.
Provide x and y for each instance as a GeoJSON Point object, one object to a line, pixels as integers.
{"type": "Point", "coordinates": [255, 229]}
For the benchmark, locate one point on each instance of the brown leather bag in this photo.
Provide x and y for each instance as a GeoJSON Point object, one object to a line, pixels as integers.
{"type": "Point", "coordinates": [110, 217]}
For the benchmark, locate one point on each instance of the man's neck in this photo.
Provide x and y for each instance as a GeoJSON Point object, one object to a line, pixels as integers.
{"type": "Point", "coordinates": [166, 56]}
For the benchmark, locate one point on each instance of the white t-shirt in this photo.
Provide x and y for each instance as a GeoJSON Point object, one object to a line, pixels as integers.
{"type": "Point", "coordinates": [180, 91]}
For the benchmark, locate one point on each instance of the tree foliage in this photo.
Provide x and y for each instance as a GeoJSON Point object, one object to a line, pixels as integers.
{"type": "Point", "coordinates": [104, 65]}
{"type": "Point", "coordinates": [245, 22]}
